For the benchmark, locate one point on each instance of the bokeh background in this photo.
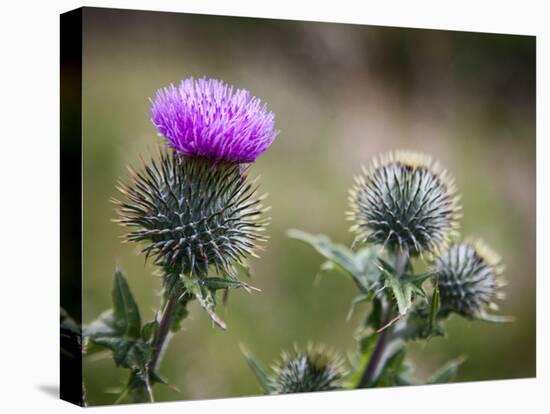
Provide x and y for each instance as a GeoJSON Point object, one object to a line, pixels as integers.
{"type": "Point", "coordinates": [341, 94]}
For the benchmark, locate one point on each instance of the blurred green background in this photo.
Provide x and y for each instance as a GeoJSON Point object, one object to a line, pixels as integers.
{"type": "Point", "coordinates": [341, 94]}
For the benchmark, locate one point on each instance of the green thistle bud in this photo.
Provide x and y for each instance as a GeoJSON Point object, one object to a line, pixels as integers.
{"type": "Point", "coordinates": [469, 278]}
{"type": "Point", "coordinates": [404, 202]}
{"type": "Point", "coordinates": [316, 369]}
{"type": "Point", "coordinates": [192, 214]}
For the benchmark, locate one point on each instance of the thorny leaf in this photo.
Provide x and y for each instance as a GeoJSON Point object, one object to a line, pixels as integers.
{"type": "Point", "coordinates": [139, 389]}
{"type": "Point", "coordinates": [360, 266]}
{"type": "Point", "coordinates": [216, 283]}
{"type": "Point", "coordinates": [401, 289]}
{"type": "Point", "coordinates": [260, 373]}
{"type": "Point", "coordinates": [206, 298]}
{"type": "Point", "coordinates": [126, 311]}
{"type": "Point", "coordinates": [447, 372]}
{"type": "Point", "coordinates": [119, 329]}
{"type": "Point", "coordinates": [396, 371]}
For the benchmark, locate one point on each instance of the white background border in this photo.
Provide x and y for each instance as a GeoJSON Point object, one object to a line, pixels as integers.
{"type": "Point", "coordinates": [29, 194]}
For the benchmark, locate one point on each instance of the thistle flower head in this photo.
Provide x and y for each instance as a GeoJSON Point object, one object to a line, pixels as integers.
{"type": "Point", "coordinates": [191, 214]}
{"type": "Point", "coordinates": [208, 118]}
{"type": "Point", "coordinates": [405, 202]}
{"type": "Point", "coordinates": [469, 278]}
{"type": "Point", "coordinates": [315, 369]}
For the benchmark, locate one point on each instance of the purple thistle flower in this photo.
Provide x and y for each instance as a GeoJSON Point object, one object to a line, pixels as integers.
{"type": "Point", "coordinates": [208, 118]}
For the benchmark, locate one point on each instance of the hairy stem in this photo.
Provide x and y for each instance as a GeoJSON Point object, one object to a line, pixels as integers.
{"type": "Point", "coordinates": [163, 332]}
{"type": "Point", "coordinates": [377, 358]}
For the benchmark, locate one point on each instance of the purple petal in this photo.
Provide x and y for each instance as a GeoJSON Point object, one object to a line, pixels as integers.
{"type": "Point", "coordinates": [208, 118]}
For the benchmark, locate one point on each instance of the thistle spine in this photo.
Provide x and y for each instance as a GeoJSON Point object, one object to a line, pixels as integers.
{"type": "Point", "coordinates": [405, 202]}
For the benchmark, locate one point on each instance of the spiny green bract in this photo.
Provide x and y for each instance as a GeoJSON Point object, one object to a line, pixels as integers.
{"type": "Point", "coordinates": [404, 202]}
{"type": "Point", "coordinates": [469, 276]}
{"type": "Point", "coordinates": [193, 214]}
{"type": "Point", "coordinates": [315, 369]}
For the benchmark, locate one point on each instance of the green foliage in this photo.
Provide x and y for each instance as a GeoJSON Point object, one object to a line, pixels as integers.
{"type": "Point", "coordinates": [139, 388]}
{"type": "Point", "coordinates": [403, 308]}
{"type": "Point", "coordinates": [180, 313]}
{"type": "Point", "coordinates": [447, 372]}
{"type": "Point", "coordinates": [203, 289]}
{"type": "Point", "coordinates": [259, 371]}
{"type": "Point", "coordinates": [119, 329]}
{"type": "Point", "coordinates": [359, 266]}
{"type": "Point", "coordinates": [150, 330]}
{"type": "Point", "coordinates": [136, 346]}
{"type": "Point", "coordinates": [396, 371]}
{"type": "Point", "coordinates": [366, 344]}
{"type": "Point", "coordinates": [205, 296]}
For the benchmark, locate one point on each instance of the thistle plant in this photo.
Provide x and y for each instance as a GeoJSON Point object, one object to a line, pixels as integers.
{"type": "Point", "coordinates": [404, 202]}
{"type": "Point", "coordinates": [194, 212]}
{"type": "Point", "coordinates": [313, 369]}
{"type": "Point", "coordinates": [469, 279]}
{"type": "Point", "coordinates": [405, 212]}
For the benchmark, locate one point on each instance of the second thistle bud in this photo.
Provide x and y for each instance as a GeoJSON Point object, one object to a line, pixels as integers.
{"type": "Point", "coordinates": [469, 278]}
{"type": "Point", "coordinates": [315, 369]}
{"type": "Point", "coordinates": [405, 202]}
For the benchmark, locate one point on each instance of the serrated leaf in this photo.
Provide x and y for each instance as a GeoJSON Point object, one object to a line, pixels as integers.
{"type": "Point", "coordinates": [149, 330]}
{"type": "Point", "coordinates": [154, 378]}
{"type": "Point", "coordinates": [127, 352]}
{"type": "Point", "coordinates": [217, 283]}
{"type": "Point", "coordinates": [367, 259]}
{"type": "Point", "coordinates": [447, 372]}
{"type": "Point", "coordinates": [337, 253]}
{"type": "Point", "coordinates": [258, 370]}
{"type": "Point", "coordinates": [402, 292]}
{"type": "Point", "coordinates": [419, 326]}
{"type": "Point", "coordinates": [139, 388]}
{"type": "Point", "coordinates": [419, 279]}
{"type": "Point", "coordinates": [126, 311]}
{"type": "Point", "coordinates": [394, 370]}
{"type": "Point", "coordinates": [361, 266]}
{"type": "Point", "coordinates": [103, 326]}
{"type": "Point", "coordinates": [205, 297]}
{"type": "Point", "coordinates": [119, 327]}
{"type": "Point", "coordinates": [180, 314]}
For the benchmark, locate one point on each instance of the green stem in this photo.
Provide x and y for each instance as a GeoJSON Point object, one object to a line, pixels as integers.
{"type": "Point", "coordinates": [378, 354]}
{"type": "Point", "coordinates": [163, 332]}
{"type": "Point", "coordinates": [369, 374]}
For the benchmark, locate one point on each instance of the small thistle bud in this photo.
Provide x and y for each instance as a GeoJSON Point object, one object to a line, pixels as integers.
{"type": "Point", "coordinates": [316, 369]}
{"type": "Point", "coordinates": [404, 202]}
{"type": "Point", "coordinates": [192, 214]}
{"type": "Point", "coordinates": [469, 278]}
